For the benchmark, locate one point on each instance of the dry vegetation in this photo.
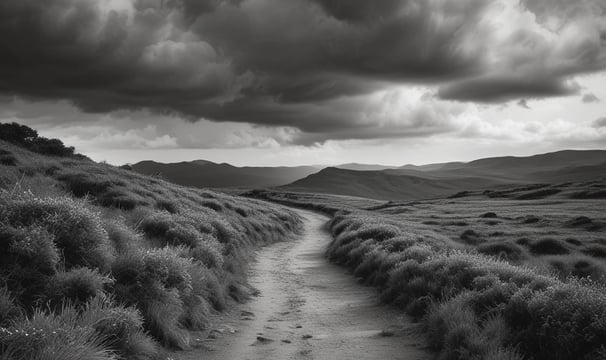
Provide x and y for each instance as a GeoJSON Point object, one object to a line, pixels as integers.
{"type": "Point", "coordinates": [98, 262]}
{"type": "Point", "coordinates": [514, 273]}
{"type": "Point", "coordinates": [328, 204]}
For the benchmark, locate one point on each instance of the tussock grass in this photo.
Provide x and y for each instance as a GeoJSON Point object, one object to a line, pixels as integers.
{"type": "Point", "coordinates": [77, 286]}
{"type": "Point", "coordinates": [72, 333]}
{"type": "Point", "coordinates": [548, 247]}
{"type": "Point", "coordinates": [475, 306]}
{"type": "Point", "coordinates": [98, 262]}
{"type": "Point", "coordinates": [504, 250]}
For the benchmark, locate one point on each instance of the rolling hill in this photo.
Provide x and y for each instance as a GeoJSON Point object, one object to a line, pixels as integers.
{"type": "Point", "coordinates": [510, 168]}
{"type": "Point", "coordinates": [364, 167]}
{"type": "Point", "coordinates": [412, 182]}
{"type": "Point", "coordinates": [201, 173]}
{"type": "Point", "coordinates": [382, 185]}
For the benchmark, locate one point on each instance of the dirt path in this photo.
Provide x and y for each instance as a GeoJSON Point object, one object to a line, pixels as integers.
{"type": "Point", "coordinates": [307, 308]}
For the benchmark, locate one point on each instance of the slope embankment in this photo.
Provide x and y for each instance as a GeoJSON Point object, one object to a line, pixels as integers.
{"type": "Point", "coordinates": [98, 262]}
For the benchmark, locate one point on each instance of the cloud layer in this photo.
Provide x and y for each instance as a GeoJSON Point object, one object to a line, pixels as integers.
{"type": "Point", "coordinates": [324, 69]}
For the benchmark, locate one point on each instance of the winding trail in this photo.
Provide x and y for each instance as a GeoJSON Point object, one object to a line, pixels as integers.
{"type": "Point", "coordinates": [308, 308]}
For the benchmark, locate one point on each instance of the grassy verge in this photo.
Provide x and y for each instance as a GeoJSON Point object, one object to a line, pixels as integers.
{"type": "Point", "coordinates": [475, 299]}
{"type": "Point", "coordinates": [98, 262]}
{"type": "Point", "coordinates": [473, 306]}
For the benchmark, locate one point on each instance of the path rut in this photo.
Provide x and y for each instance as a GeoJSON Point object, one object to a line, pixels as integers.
{"type": "Point", "coordinates": [308, 308]}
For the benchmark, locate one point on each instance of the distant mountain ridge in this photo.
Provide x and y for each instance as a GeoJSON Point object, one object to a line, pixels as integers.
{"type": "Point", "coordinates": [364, 167]}
{"type": "Point", "coordinates": [411, 182]}
{"type": "Point", "coordinates": [202, 173]}
{"type": "Point", "coordinates": [390, 182]}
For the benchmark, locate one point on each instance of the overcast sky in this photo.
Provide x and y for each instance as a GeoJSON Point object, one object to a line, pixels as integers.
{"type": "Point", "coordinates": [288, 82]}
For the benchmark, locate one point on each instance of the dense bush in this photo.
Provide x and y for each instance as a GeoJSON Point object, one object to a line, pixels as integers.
{"type": "Point", "coordinates": [473, 306]}
{"type": "Point", "coordinates": [7, 159]}
{"type": "Point", "coordinates": [548, 247]}
{"type": "Point", "coordinates": [501, 249]}
{"type": "Point", "coordinates": [28, 138]}
{"type": "Point", "coordinates": [87, 332]}
{"type": "Point", "coordinates": [156, 281]}
{"type": "Point", "coordinates": [76, 285]}
{"type": "Point", "coordinates": [9, 310]}
{"type": "Point", "coordinates": [28, 257]}
{"type": "Point", "coordinates": [77, 231]}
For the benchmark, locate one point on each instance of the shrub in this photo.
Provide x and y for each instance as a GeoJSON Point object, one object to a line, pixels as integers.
{"type": "Point", "coordinates": [562, 322]}
{"type": "Point", "coordinates": [31, 246]}
{"type": "Point", "coordinates": [226, 234]}
{"type": "Point", "coordinates": [581, 221]}
{"type": "Point", "coordinates": [52, 147]}
{"type": "Point", "coordinates": [46, 336]}
{"type": "Point", "coordinates": [28, 257]}
{"type": "Point", "coordinates": [17, 134]}
{"type": "Point", "coordinates": [123, 238]}
{"type": "Point", "coordinates": [453, 331]}
{"type": "Point", "coordinates": [77, 231]}
{"type": "Point", "coordinates": [162, 319]}
{"type": "Point", "coordinates": [505, 250]}
{"type": "Point", "coordinates": [531, 219]}
{"type": "Point", "coordinates": [76, 286]}
{"type": "Point", "coordinates": [9, 311]}
{"type": "Point", "coordinates": [156, 281]}
{"type": "Point", "coordinates": [28, 138]}
{"type": "Point", "coordinates": [167, 205]}
{"type": "Point", "coordinates": [523, 241]}
{"type": "Point", "coordinates": [122, 329]}
{"type": "Point", "coordinates": [173, 229]}
{"type": "Point", "coordinates": [8, 160]}
{"type": "Point", "coordinates": [471, 237]}
{"type": "Point", "coordinates": [119, 198]}
{"type": "Point", "coordinates": [548, 247]}
{"type": "Point", "coordinates": [208, 252]}
{"type": "Point", "coordinates": [98, 329]}
{"type": "Point", "coordinates": [241, 211]}
{"type": "Point", "coordinates": [596, 250]}
{"type": "Point", "coordinates": [488, 215]}
{"type": "Point", "coordinates": [81, 184]}
{"type": "Point", "coordinates": [215, 205]}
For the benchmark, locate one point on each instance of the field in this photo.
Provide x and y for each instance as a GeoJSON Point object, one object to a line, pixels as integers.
{"type": "Point", "coordinates": [513, 273]}
{"type": "Point", "coordinates": [98, 262]}
{"type": "Point", "coordinates": [320, 202]}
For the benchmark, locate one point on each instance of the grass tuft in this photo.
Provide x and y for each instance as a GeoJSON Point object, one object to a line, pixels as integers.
{"type": "Point", "coordinates": [548, 247]}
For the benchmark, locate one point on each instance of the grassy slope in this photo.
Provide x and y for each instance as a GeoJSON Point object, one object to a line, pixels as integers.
{"type": "Point", "coordinates": [382, 185]}
{"type": "Point", "coordinates": [490, 275]}
{"type": "Point", "coordinates": [102, 263]}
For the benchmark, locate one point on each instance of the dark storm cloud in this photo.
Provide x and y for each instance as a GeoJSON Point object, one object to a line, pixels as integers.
{"type": "Point", "coordinates": [539, 59]}
{"type": "Point", "coordinates": [284, 62]}
{"type": "Point", "coordinates": [264, 62]}
{"type": "Point", "coordinates": [495, 89]}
